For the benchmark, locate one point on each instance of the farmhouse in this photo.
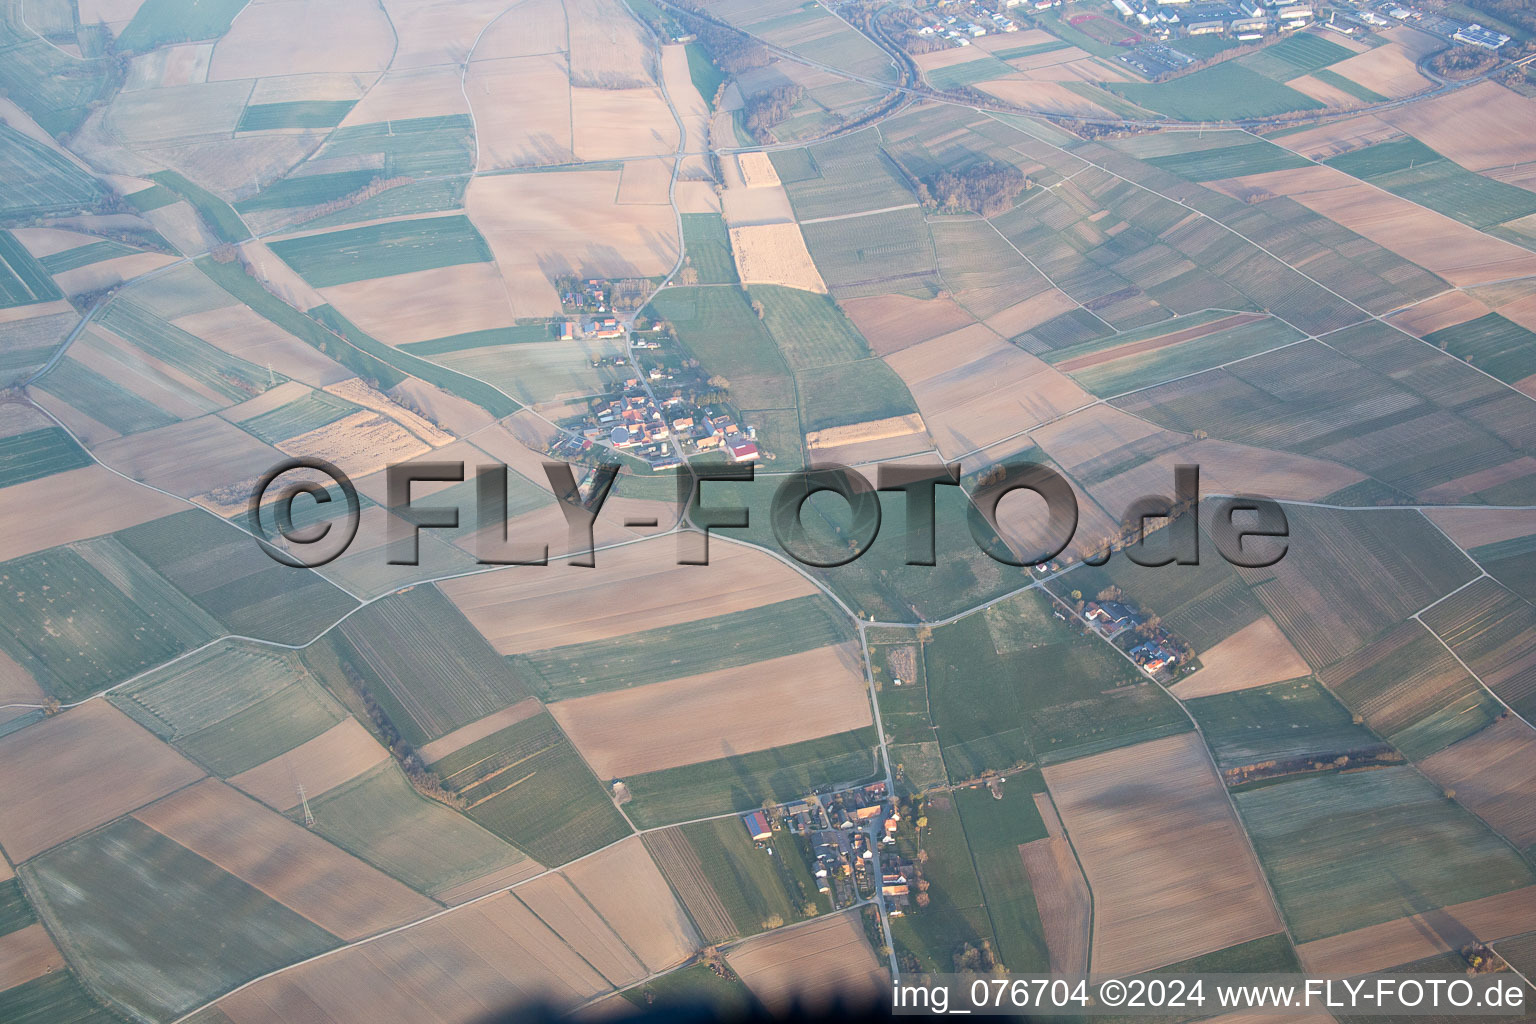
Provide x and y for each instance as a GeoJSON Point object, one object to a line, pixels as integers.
{"type": "Point", "coordinates": [1153, 656]}
{"type": "Point", "coordinates": [1112, 615]}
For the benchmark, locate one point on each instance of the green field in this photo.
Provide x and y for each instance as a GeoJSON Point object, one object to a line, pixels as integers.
{"type": "Point", "coordinates": [536, 372]}
{"type": "Point", "coordinates": [528, 785]}
{"type": "Point", "coordinates": [75, 631]}
{"type": "Point", "coordinates": [1384, 158]}
{"type": "Point", "coordinates": [1279, 722]}
{"type": "Point", "coordinates": [379, 817]}
{"type": "Point", "coordinates": [127, 887]}
{"type": "Point", "coordinates": [223, 374]}
{"type": "Point", "coordinates": [522, 334]}
{"type": "Point", "coordinates": [84, 256]}
{"type": "Point", "coordinates": [1147, 368]}
{"type": "Point", "coordinates": [1492, 344]}
{"type": "Point", "coordinates": [39, 453]}
{"type": "Point", "coordinates": [50, 84]}
{"type": "Point", "coordinates": [844, 175]}
{"type": "Point", "coordinates": [688, 987]}
{"type": "Point", "coordinates": [153, 198]}
{"type": "Point", "coordinates": [1273, 954]}
{"type": "Point", "coordinates": [746, 781]}
{"type": "Point", "coordinates": [955, 916]}
{"type": "Point", "coordinates": [809, 329]}
{"type": "Point", "coordinates": [1493, 631]}
{"type": "Point", "coordinates": [995, 829]}
{"type": "Point", "coordinates": [1396, 564]}
{"type": "Point", "coordinates": [1350, 86]}
{"type": "Point", "coordinates": [1352, 850]}
{"type": "Point", "coordinates": [310, 412]}
{"type": "Point", "coordinates": [1411, 690]}
{"type": "Point", "coordinates": [1015, 52]}
{"type": "Point", "coordinates": [880, 584]}
{"type": "Point", "coordinates": [23, 280]}
{"type": "Point", "coordinates": [956, 76]}
{"type": "Point", "coordinates": [425, 665]}
{"type": "Point", "coordinates": [689, 648]}
{"type": "Point", "coordinates": [56, 998]}
{"type": "Point", "coordinates": [15, 911]}
{"type": "Point", "coordinates": [377, 357]}
{"type": "Point", "coordinates": [233, 278]}
{"type": "Point", "coordinates": [38, 181]}
{"type": "Point", "coordinates": [1225, 92]}
{"type": "Point", "coordinates": [833, 396]}
{"type": "Point", "coordinates": [409, 197]}
{"type": "Point", "coordinates": [216, 213]}
{"type": "Point", "coordinates": [308, 190]}
{"type": "Point", "coordinates": [231, 706]}
{"type": "Point", "coordinates": [1408, 168]}
{"type": "Point", "coordinates": [222, 572]}
{"type": "Point", "coordinates": [161, 22]}
{"type": "Point", "coordinates": [708, 248]}
{"type": "Point", "coordinates": [706, 77]}
{"type": "Point", "coordinates": [1251, 157]}
{"type": "Point", "coordinates": [383, 250]}
{"type": "Point", "coordinates": [423, 147]}
{"type": "Point", "coordinates": [294, 114]}
{"type": "Point", "coordinates": [1012, 684]}
{"type": "Point", "coordinates": [1295, 56]}
{"type": "Point", "coordinates": [877, 253]}
{"type": "Point", "coordinates": [719, 329]}
{"type": "Point", "coordinates": [750, 882]}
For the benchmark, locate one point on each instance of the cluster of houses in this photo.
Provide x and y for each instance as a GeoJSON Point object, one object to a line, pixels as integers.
{"type": "Point", "coordinates": [1244, 19]}
{"type": "Point", "coordinates": [960, 33]}
{"type": "Point", "coordinates": [1154, 653]}
{"type": "Point", "coordinates": [590, 296]}
{"type": "Point", "coordinates": [843, 830]}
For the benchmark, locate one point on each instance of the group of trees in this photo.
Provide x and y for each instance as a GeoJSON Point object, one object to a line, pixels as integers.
{"type": "Point", "coordinates": [730, 51]}
{"type": "Point", "coordinates": [1463, 61]}
{"type": "Point", "coordinates": [986, 188]}
{"type": "Point", "coordinates": [763, 110]}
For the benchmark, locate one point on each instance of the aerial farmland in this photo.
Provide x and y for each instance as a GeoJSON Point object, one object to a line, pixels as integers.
{"type": "Point", "coordinates": [608, 508]}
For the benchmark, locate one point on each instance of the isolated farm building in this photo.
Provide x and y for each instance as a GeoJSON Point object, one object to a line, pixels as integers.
{"type": "Point", "coordinates": [757, 825]}
{"type": "Point", "coordinates": [742, 450]}
{"type": "Point", "coordinates": [568, 331]}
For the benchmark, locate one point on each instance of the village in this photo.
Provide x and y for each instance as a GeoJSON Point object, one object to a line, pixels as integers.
{"type": "Point", "coordinates": [668, 409]}
{"type": "Point", "coordinates": [846, 837]}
